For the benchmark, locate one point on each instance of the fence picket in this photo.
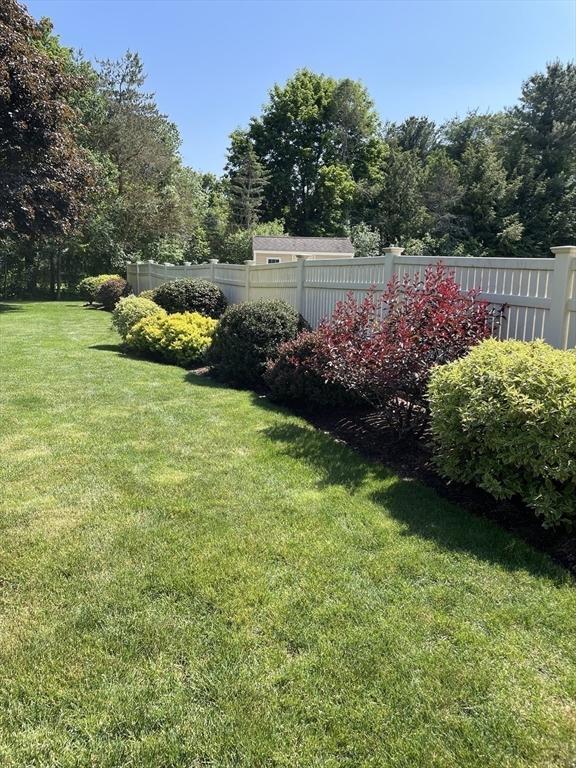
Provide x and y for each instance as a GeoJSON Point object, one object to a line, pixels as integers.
{"type": "Point", "coordinates": [540, 294]}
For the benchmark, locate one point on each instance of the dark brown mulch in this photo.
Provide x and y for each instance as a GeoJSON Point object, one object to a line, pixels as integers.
{"type": "Point", "coordinates": [369, 435]}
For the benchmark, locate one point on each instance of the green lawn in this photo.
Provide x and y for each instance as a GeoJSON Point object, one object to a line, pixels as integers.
{"type": "Point", "coordinates": [190, 577]}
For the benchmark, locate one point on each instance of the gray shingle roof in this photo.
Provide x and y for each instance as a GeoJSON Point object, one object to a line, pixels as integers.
{"type": "Point", "coordinates": [285, 243]}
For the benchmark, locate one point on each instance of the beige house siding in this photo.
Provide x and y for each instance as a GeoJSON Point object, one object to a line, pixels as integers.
{"type": "Point", "coordinates": [261, 257]}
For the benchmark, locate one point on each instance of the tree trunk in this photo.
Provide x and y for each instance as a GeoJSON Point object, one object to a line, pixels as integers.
{"type": "Point", "coordinates": [52, 275]}
{"type": "Point", "coordinates": [58, 274]}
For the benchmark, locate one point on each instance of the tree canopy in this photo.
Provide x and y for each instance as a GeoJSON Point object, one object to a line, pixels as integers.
{"type": "Point", "coordinates": [45, 176]}
{"type": "Point", "coordinates": [91, 174]}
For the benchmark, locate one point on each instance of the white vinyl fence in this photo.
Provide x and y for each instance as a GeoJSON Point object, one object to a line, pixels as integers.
{"type": "Point", "coordinates": [539, 294]}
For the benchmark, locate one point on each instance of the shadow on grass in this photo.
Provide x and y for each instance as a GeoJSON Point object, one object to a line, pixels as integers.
{"type": "Point", "coordinates": [419, 509]}
{"type": "Point", "coordinates": [108, 348]}
{"type": "Point", "coordinates": [9, 307]}
{"type": "Point", "coordinates": [333, 462]}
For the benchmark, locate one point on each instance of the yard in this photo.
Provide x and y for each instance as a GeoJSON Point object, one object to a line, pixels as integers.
{"type": "Point", "coordinates": [192, 577]}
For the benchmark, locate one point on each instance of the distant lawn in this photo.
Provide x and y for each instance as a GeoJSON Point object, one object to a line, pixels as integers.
{"type": "Point", "coordinates": [190, 577]}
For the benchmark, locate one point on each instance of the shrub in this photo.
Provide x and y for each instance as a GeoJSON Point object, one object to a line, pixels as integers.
{"type": "Point", "coordinates": [504, 418]}
{"type": "Point", "coordinates": [248, 335]}
{"type": "Point", "coordinates": [297, 375]}
{"type": "Point", "coordinates": [111, 291]}
{"type": "Point", "coordinates": [191, 295]}
{"type": "Point", "coordinates": [88, 287]}
{"type": "Point", "coordinates": [130, 310]}
{"type": "Point", "coordinates": [383, 349]}
{"type": "Point", "coordinates": [182, 338]}
{"type": "Point", "coordinates": [148, 295]}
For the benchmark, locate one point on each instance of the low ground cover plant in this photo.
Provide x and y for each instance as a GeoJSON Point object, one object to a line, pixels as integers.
{"type": "Point", "coordinates": [111, 291]}
{"type": "Point", "coordinates": [130, 310]}
{"type": "Point", "coordinates": [248, 335]}
{"type": "Point", "coordinates": [504, 419]}
{"type": "Point", "coordinates": [191, 295]}
{"type": "Point", "coordinates": [88, 288]}
{"type": "Point", "coordinates": [182, 338]}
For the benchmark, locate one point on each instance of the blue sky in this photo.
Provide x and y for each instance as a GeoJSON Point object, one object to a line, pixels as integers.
{"type": "Point", "coordinates": [211, 64]}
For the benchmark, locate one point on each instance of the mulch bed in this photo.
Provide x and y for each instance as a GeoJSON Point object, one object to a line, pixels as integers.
{"type": "Point", "coordinates": [369, 435]}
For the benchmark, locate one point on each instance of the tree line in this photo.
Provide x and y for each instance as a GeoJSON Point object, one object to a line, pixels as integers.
{"type": "Point", "coordinates": [91, 174]}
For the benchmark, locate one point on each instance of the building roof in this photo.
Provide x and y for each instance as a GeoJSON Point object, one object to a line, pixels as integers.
{"type": "Point", "coordinates": [288, 244]}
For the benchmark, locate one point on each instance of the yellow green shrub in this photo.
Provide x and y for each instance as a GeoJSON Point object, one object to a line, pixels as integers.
{"type": "Point", "coordinates": [182, 338]}
{"type": "Point", "coordinates": [504, 418]}
{"type": "Point", "coordinates": [130, 310]}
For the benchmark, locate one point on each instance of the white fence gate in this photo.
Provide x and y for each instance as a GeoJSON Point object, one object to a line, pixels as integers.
{"type": "Point", "coordinates": [540, 294]}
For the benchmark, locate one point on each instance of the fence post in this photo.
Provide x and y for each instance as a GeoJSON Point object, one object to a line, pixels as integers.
{"type": "Point", "coordinates": [137, 271]}
{"type": "Point", "coordinates": [247, 265]}
{"type": "Point", "coordinates": [556, 327]}
{"type": "Point", "coordinates": [149, 285]}
{"type": "Point", "coordinates": [212, 262]}
{"type": "Point", "coordinates": [300, 277]}
{"type": "Point", "coordinates": [391, 252]}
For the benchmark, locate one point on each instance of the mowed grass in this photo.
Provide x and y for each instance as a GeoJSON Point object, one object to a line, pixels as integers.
{"type": "Point", "coordinates": [192, 577]}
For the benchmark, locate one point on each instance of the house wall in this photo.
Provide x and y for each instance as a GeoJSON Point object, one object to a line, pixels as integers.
{"type": "Point", "coordinates": [261, 257]}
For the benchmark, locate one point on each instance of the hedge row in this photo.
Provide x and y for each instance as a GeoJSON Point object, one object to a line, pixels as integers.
{"type": "Point", "coordinates": [500, 415]}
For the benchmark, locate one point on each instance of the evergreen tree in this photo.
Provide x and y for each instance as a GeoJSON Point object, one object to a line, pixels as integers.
{"type": "Point", "coordinates": [544, 146]}
{"type": "Point", "coordinates": [247, 181]}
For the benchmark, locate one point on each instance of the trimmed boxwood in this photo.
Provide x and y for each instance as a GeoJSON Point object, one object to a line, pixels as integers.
{"type": "Point", "coordinates": [191, 295]}
{"type": "Point", "coordinates": [248, 335]}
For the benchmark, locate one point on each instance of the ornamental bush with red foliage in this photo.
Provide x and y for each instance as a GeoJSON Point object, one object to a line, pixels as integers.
{"type": "Point", "coordinates": [110, 292]}
{"type": "Point", "coordinates": [383, 348]}
{"type": "Point", "coordinates": [297, 375]}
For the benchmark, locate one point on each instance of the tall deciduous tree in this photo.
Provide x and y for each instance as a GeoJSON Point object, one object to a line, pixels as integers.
{"type": "Point", "coordinates": [314, 138]}
{"type": "Point", "coordinates": [45, 176]}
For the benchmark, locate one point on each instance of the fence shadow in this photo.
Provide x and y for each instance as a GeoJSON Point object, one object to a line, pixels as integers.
{"type": "Point", "coordinates": [420, 510]}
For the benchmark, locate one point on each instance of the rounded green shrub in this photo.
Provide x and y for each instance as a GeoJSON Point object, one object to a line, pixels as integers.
{"type": "Point", "coordinates": [181, 338]}
{"type": "Point", "coordinates": [88, 287]}
{"type": "Point", "coordinates": [111, 291]}
{"type": "Point", "coordinates": [191, 295]}
{"type": "Point", "coordinates": [504, 418]}
{"type": "Point", "coordinates": [147, 295]}
{"type": "Point", "coordinates": [248, 335]}
{"type": "Point", "coordinates": [130, 310]}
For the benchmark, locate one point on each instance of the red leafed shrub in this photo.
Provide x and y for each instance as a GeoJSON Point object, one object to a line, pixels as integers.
{"type": "Point", "coordinates": [110, 292]}
{"type": "Point", "coordinates": [383, 348]}
{"type": "Point", "coordinates": [296, 375]}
